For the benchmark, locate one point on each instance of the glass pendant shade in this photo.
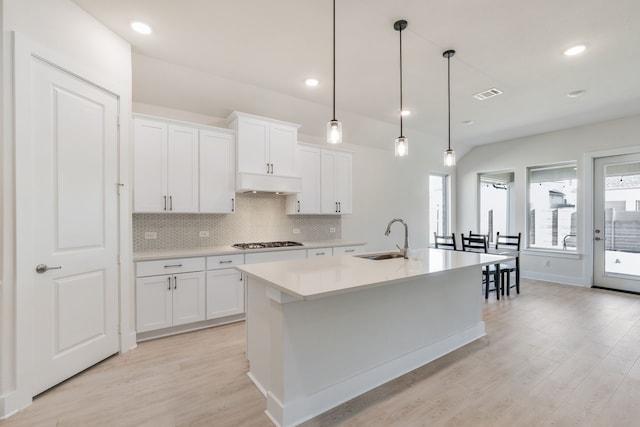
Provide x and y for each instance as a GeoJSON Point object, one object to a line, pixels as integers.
{"type": "Point", "coordinates": [402, 146]}
{"type": "Point", "coordinates": [449, 157]}
{"type": "Point", "coordinates": [334, 132]}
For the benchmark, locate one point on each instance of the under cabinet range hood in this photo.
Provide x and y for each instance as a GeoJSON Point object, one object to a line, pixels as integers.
{"type": "Point", "coordinates": [250, 182]}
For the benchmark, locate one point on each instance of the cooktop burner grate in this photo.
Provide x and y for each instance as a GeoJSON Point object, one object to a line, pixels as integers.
{"type": "Point", "coordinates": [262, 245]}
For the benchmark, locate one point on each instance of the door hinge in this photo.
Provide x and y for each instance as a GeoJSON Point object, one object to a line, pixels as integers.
{"type": "Point", "coordinates": [119, 186]}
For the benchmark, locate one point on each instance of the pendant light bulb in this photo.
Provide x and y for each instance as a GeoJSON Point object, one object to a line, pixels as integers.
{"type": "Point", "coordinates": [334, 127]}
{"type": "Point", "coordinates": [402, 143]}
{"type": "Point", "coordinates": [449, 154]}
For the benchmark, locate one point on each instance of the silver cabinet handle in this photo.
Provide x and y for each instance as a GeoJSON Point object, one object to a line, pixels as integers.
{"type": "Point", "coordinates": [298, 205]}
{"type": "Point", "coordinates": [336, 207]}
{"type": "Point", "coordinates": [169, 279]}
{"type": "Point", "coordinates": [272, 168]}
{"type": "Point", "coordinates": [175, 282]}
{"type": "Point", "coordinates": [320, 253]}
{"type": "Point", "coordinates": [233, 205]}
{"type": "Point", "coordinates": [172, 265]}
{"type": "Point", "coordinates": [170, 203]}
{"type": "Point", "coordinates": [165, 203]}
{"type": "Point", "coordinates": [267, 167]}
{"type": "Point", "coordinates": [339, 206]}
{"type": "Point", "coordinates": [43, 268]}
{"type": "Point", "coordinates": [350, 250]}
{"type": "Point", "coordinates": [225, 261]}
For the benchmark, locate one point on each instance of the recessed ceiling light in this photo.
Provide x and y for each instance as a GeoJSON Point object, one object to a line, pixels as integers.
{"type": "Point", "coordinates": [575, 50]}
{"type": "Point", "coordinates": [405, 112]}
{"type": "Point", "coordinates": [311, 82]}
{"type": "Point", "coordinates": [575, 93]}
{"type": "Point", "coordinates": [141, 27]}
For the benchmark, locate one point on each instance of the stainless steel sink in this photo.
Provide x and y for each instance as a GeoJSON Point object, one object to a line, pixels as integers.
{"type": "Point", "coordinates": [381, 256]}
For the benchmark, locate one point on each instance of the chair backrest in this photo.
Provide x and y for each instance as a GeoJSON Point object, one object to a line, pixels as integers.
{"type": "Point", "coordinates": [445, 242]}
{"type": "Point", "coordinates": [506, 241]}
{"type": "Point", "coordinates": [476, 243]}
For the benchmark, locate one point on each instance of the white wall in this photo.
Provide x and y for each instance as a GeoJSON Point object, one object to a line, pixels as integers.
{"type": "Point", "coordinates": [567, 145]}
{"type": "Point", "coordinates": [59, 26]}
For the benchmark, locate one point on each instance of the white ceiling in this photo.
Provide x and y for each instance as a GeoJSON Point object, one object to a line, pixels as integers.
{"type": "Point", "coordinates": [513, 45]}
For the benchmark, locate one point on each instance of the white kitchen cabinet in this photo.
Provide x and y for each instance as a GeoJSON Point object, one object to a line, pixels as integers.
{"type": "Point", "coordinates": [225, 293]}
{"type": "Point", "coordinates": [346, 250]}
{"type": "Point", "coordinates": [165, 167]}
{"type": "Point", "coordinates": [217, 172]}
{"type": "Point", "coordinates": [265, 153]}
{"type": "Point", "coordinates": [169, 294]}
{"type": "Point", "coordinates": [281, 255]}
{"type": "Point", "coordinates": [335, 183]}
{"type": "Point", "coordinates": [307, 201]}
{"type": "Point", "coordinates": [316, 252]}
{"type": "Point", "coordinates": [225, 287]}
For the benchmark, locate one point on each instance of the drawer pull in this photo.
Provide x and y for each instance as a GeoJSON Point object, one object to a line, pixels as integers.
{"type": "Point", "coordinates": [173, 265]}
{"type": "Point", "coordinates": [320, 253]}
{"type": "Point", "coordinates": [226, 262]}
{"type": "Point", "coordinates": [350, 250]}
{"type": "Point", "coordinates": [169, 278]}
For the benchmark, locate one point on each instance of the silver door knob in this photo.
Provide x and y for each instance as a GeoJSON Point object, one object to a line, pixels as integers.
{"type": "Point", "coordinates": [597, 238]}
{"type": "Point", "coordinates": [43, 268]}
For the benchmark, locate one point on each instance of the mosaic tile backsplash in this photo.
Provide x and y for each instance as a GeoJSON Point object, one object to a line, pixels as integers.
{"type": "Point", "coordinates": [258, 218]}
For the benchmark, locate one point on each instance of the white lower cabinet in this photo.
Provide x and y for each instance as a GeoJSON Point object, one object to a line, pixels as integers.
{"type": "Point", "coordinates": [225, 293]}
{"type": "Point", "coordinates": [316, 252]}
{"type": "Point", "coordinates": [346, 250]}
{"type": "Point", "coordinates": [167, 294]}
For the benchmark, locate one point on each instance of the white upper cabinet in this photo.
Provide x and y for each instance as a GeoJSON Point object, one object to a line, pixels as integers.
{"type": "Point", "coordinates": [335, 183]}
{"type": "Point", "coordinates": [307, 201]}
{"type": "Point", "coordinates": [217, 172]}
{"type": "Point", "coordinates": [182, 167]}
{"type": "Point", "coordinates": [265, 154]}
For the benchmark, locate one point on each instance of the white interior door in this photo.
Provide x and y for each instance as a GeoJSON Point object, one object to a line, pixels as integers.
{"type": "Point", "coordinates": [616, 218]}
{"type": "Point", "coordinates": [73, 171]}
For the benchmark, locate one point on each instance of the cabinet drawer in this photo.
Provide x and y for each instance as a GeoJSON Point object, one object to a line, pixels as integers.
{"type": "Point", "coordinates": [224, 261]}
{"type": "Point", "coordinates": [347, 250]}
{"type": "Point", "coordinates": [169, 266]}
{"type": "Point", "coordinates": [311, 253]}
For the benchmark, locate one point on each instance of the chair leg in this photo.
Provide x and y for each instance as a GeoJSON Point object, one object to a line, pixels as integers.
{"type": "Point", "coordinates": [508, 274]}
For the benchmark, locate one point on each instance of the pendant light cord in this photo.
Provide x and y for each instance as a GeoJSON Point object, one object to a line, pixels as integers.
{"type": "Point", "coordinates": [401, 133]}
{"type": "Point", "coordinates": [334, 60]}
{"type": "Point", "coordinates": [449, 97]}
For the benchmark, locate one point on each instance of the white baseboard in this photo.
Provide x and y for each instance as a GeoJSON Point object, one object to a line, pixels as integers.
{"type": "Point", "coordinates": [556, 278]}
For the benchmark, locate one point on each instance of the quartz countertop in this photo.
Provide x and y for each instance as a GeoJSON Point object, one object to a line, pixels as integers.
{"type": "Point", "coordinates": [325, 276]}
{"type": "Point", "coordinates": [226, 250]}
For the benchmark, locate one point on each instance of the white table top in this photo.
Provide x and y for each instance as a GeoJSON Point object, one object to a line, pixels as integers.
{"type": "Point", "coordinates": [325, 276]}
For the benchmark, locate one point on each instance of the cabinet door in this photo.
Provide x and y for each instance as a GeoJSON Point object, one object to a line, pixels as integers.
{"type": "Point", "coordinates": [182, 172]}
{"type": "Point", "coordinates": [149, 165]}
{"type": "Point", "coordinates": [282, 149]}
{"type": "Point", "coordinates": [217, 172]}
{"type": "Point", "coordinates": [225, 293]}
{"type": "Point", "coordinates": [328, 200]}
{"type": "Point", "coordinates": [153, 303]}
{"type": "Point", "coordinates": [342, 182]}
{"type": "Point", "coordinates": [308, 165]}
{"type": "Point", "coordinates": [188, 297]}
{"type": "Point", "coordinates": [252, 138]}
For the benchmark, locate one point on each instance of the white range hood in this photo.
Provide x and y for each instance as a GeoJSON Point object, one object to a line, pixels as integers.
{"type": "Point", "coordinates": [249, 182]}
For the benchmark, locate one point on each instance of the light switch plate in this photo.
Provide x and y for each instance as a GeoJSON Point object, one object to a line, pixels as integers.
{"type": "Point", "coordinates": [332, 230]}
{"type": "Point", "coordinates": [296, 231]}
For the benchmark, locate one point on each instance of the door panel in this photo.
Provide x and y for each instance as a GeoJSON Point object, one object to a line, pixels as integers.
{"type": "Point", "coordinates": [188, 298]}
{"type": "Point", "coordinates": [74, 218]}
{"type": "Point", "coordinates": [616, 234]}
{"type": "Point", "coordinates": [182, 172]}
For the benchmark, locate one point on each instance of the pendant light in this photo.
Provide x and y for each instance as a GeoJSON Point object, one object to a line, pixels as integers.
{"type": "Point", "coordinates": [449, 154]}
{"type": "Point", "coordinates": [402, 143]}
{"type": "Point", "coordinates": [334, 127]}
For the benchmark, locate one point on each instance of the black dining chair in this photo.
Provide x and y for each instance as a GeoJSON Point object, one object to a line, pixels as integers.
{"type": "Point", "coordinates": [445, 241]}
{"type": "Point", "coordinates": [478, 243]}
{"type": "Point", "coordinates": [509, 243]}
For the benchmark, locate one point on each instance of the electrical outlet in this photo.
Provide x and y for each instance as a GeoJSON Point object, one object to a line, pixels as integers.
{"type": "Point", "coordinates": [150, 235]}
{"type": "Point", "coordinates": [203, 234]}
{"type": "Point", "coordinates": [296, 231]}
{"type": "Point", "coordinates": [332, 229]}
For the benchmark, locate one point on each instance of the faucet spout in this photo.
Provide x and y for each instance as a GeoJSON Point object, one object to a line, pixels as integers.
{"type": "Point", "coordinates": [406, 235]}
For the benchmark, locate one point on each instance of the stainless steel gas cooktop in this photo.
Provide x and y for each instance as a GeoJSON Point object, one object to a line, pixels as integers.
{"type": "Point", "coordinates": [261, 245]}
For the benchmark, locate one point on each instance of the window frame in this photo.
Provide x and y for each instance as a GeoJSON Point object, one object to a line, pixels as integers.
{"type": "Point", "coordinates": [446, 205]}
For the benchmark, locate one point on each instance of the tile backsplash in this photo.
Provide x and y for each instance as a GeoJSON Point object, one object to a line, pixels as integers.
{"type": "Point", "coordinates": [258, 217]}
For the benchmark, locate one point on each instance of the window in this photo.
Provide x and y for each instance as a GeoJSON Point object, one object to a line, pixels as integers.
{"type": "Point", "coordinates": [438, 205]}
{"type": "Point", "coordinates": [496, 213]}
{"type": "Point", "coordinates": [552, 207]}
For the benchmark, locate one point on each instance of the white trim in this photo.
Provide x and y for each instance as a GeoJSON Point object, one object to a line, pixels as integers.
{"type": "Point", "coordinates": [24, 50]}
{"type": "Point", "coordinates": [556, 278]}
{"type": "Point", "coordinates": [552, 254]}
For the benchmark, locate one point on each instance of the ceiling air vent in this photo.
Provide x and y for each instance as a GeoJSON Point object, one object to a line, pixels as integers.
{"type": "Point", "coordinates": [489, 93]}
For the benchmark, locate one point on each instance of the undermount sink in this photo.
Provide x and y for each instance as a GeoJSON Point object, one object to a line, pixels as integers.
{"type": "Point", "coordinates": [381, 256]}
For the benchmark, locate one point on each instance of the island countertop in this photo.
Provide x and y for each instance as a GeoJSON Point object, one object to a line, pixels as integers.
{"type": "Point", "coordinates": [321, 277]}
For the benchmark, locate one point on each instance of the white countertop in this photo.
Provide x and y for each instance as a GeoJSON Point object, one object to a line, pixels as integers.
{"type": "Point", "coordinates": [325, 276]}
{"type": "Point", "coordinates": [226, 250]}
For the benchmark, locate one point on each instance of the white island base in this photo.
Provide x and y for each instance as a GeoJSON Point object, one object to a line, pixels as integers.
{"type": "Point", "coordinates": [310, 355]}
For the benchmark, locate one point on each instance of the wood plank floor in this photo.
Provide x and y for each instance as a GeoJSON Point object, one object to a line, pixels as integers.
{"type": "Point", "coordinates": [555, 355]}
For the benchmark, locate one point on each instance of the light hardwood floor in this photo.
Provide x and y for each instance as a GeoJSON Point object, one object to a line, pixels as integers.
{"type": "Point", "coordinates": [555, 355]}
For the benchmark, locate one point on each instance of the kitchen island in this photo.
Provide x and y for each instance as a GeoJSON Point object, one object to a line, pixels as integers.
{"type": "Point", "coordinates": [322, 331]}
